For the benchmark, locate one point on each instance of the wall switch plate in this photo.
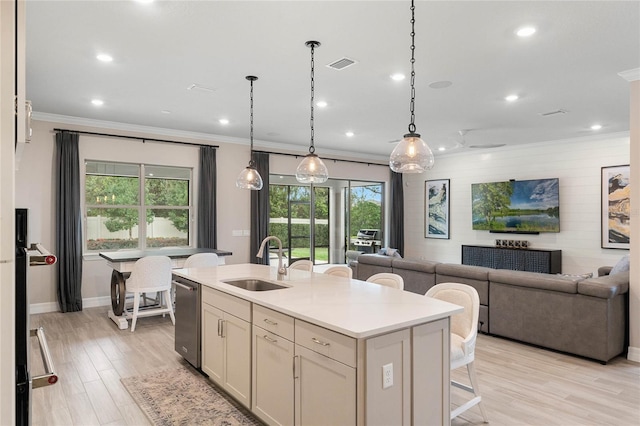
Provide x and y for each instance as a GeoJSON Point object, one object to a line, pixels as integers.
{"type": "Point", "coordinates": [387, 376]}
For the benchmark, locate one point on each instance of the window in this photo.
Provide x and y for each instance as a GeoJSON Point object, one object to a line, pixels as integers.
{"type": "Point", "coordinates": [136, 206]}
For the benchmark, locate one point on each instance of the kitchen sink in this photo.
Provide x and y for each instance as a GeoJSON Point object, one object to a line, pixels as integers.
{"type": "Point", "coordinates": [254, 284]}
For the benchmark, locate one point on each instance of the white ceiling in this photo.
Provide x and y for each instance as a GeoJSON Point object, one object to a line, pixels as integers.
{"type": "Point", "coordinates": [160, 49]}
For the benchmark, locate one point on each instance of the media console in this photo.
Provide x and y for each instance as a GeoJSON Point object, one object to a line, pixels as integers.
{"type": "Point", "coordinates": [532, 260]}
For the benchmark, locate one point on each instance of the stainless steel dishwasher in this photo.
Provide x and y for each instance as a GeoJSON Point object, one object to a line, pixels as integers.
{"type": "Point", "coordinates": [187, 313]}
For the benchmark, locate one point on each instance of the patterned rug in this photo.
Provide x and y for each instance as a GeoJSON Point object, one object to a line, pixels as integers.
{"type": "Point", "coordinates": [182, 396]}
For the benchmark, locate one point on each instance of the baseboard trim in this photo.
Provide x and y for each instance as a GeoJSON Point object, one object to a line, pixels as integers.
{"type": "Point", "coordinates": [633, 354]}
{"type": "Point", "coordinates": [90, 302]}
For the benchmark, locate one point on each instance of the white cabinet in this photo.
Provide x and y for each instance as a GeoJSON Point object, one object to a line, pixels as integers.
{"type": "Point", "coordinates": [272, 362]}
{"type": "Point", "coordinates": [325, 386]}
{"type": "Point", "coordinates": [226, 343]}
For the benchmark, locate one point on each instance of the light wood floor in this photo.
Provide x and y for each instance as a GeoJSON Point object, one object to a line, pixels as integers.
{"type": "Point", "coordinates": [520, 384]}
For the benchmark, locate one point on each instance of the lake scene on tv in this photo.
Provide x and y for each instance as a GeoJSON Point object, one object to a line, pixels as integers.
{"type": "Point", "coordinates": [517, 206]}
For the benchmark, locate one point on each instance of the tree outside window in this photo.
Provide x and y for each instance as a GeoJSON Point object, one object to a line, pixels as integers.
{"type": "Point", "coordinates": [114, 212]}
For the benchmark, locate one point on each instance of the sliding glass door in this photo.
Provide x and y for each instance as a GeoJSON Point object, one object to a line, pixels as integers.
{"type": "Point", "coordinates": [320, 222]}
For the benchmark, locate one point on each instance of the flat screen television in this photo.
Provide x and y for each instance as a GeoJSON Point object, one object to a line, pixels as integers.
{"type": "Point", "coordinates": [517, 206]}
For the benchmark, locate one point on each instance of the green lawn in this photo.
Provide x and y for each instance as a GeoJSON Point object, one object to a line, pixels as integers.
{"type": "Point", "coordinates": [322, 253]}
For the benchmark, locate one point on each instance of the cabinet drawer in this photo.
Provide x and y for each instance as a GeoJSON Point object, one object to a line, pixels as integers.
{"type": "Point", "coordinates": [326, 342]}
{"type": "Point", "coordinates": [273, 321]}
{"type": "Point", "coordinates": [230, 304]}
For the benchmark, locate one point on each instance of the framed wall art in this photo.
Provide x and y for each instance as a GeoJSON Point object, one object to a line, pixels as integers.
{"type": "Point", "coordinates": [615, 192]}
{"type": "Point", "coordinates": [436, 209]}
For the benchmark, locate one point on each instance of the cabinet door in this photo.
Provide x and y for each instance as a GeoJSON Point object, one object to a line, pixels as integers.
{"type": "Point", "coordinates": [272, 391]}
{"type": "Point", "coordinates": [325, 390]}
{"type": "Point", "coordinates": [236, 334]}
{"type": "Point", "coordinates": [212, 343]}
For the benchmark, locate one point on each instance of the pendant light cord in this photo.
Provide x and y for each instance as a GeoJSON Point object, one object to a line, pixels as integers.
{"type": "Point", "coordinates": [312, 148]}
{"type": "Point", "coordinates": [251, 78]}
{"type": "Point", "coordinates": [412, 126]}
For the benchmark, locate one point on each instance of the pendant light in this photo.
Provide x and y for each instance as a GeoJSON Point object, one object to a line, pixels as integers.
{"type": "Point", "coordinates": [412, 154]}
{"type": "Point", "coordinates": [249, 178]}
{"type": "Point", "coordinates": [312, 169]}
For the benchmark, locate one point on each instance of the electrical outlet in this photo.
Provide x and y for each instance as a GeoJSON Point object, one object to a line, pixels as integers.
{"type": "Point", "coordinates": [387, 376]}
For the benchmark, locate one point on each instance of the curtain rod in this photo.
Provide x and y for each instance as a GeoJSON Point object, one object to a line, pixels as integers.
{"type": "Point", "coordinates": [109, 135]}
{"type": "Point", "coordinates": [368, 163]}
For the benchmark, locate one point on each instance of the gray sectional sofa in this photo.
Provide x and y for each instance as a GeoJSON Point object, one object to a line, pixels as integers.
{"type": "Point", "coordinates": [582, 316]}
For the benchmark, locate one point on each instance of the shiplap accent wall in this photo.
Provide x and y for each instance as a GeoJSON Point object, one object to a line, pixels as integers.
{"type": "Point", "coordinates": [577, 164]}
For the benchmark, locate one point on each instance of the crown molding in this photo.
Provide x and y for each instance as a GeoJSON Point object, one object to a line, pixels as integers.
{"type": "Point", "coordinates": [630, 75]}
{"type": "Point", "coordinates": [183, 134]}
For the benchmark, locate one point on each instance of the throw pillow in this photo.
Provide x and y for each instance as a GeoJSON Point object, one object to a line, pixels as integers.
{"type": "Point", "coordinates": [621, 266]}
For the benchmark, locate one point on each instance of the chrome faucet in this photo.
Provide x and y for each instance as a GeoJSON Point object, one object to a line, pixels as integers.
{"type": "Point", "coordinates": [282, 271]}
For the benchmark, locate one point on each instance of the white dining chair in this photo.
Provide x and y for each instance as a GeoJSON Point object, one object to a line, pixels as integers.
{"type": "Point", "coordinates": [200, 260]}
{"type": "Point", "coordinates": [303, 265]}
{"type": "Point", "coordinates": [339, 271]}
{"type": "Point", "coordinates": [150, 274]}
{"type": "Point", "coordinates": [387, 279]}
{"type": "Point", "coordinates": [464, 331]}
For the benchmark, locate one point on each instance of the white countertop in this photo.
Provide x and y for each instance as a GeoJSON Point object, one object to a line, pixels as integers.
{"type": "Point", "coordinates": [351, 307]}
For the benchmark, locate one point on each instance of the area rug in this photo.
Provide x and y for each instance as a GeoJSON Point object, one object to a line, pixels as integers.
{"type": "Point", "coordinates": [182, 396]}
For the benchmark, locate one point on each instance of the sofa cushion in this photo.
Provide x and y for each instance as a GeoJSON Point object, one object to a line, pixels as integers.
{"type": "Point", "coordinates": [621, 266]}
{"type": "Point", "coordinates": [418, 275]}
{"type": "Point", "coordinates": [479, 273]}
{"type": "Point", "coordinates": [535, 280]}
{"type": "Point", "coordinates": [606, 287]}
{"type": "Point", "coordinates": [475, 276]}
{"type": "Point", "coordinates": [375, 259]}
{"type": "Point", "coordinates": [415, 265]}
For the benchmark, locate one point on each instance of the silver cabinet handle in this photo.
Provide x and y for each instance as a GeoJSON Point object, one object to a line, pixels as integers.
{"type": "Point", "coordinates": [269, 339]}
{"type": "Point", "coordinates": [320, 342]}
{"type": "Point", "coordinates": [220, 327]}
{"type": "Point", "coordinates": [268, 321]}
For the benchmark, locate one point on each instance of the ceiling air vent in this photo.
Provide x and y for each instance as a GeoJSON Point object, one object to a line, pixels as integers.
{"type": "Point", "coordinates": [341, 63]}
{"type": "Point", "coordinates": [556, 112]}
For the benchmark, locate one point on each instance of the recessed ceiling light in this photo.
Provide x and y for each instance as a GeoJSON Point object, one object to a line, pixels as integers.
{"type": "Point", "coordinates": [97, 102]}
{"type": "Point", "coordinates": [145, 1]}
{"type": "Point", "coordinates": [525, 31]}
{"type": "Point", "coordinates": [596, 127]}
{"type": "Point", "coordinates": [442, 148]}
{"type": "Point", "coordinates": [397, 77]}
{"type": "Point", "coordinates": [321, 104]}
{"type": "Point", "coordinates": [349, 134]}
{"type": "Point", "coordinates": [165, 111]}
{"type": "Point", "coordinates": [223, 121]}
{"type": "Point", "coordinates": [440, 84]}
{"type": "Point", "coordinates": [104, 57]}
{"type": "Point", "coordinates": [511, 98]}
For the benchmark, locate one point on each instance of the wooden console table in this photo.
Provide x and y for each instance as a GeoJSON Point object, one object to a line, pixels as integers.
{"type": "Point", "coordinates": [532, 260]}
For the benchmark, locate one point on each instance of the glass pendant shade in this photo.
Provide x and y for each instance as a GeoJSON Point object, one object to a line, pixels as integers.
{"type": "Point", "coordinates": [312, 170]}
{"type": "Point", "coordinates": [249, 178]}
{"type": "Point", "coordinates": [411, 155]}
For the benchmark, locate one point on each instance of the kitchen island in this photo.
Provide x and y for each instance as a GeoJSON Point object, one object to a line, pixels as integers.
{"type": "Point", "coordinates": [324, 349]}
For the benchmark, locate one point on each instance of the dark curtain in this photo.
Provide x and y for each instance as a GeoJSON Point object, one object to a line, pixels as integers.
{"type": "Point", "coordinates": [260, 209]}
{"type": "Point", "coordinates": [68, 222]}
{"type": "Point", "coordinates": [207, 218]}
{"type": "Point", "coordinates": [396, 219]}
